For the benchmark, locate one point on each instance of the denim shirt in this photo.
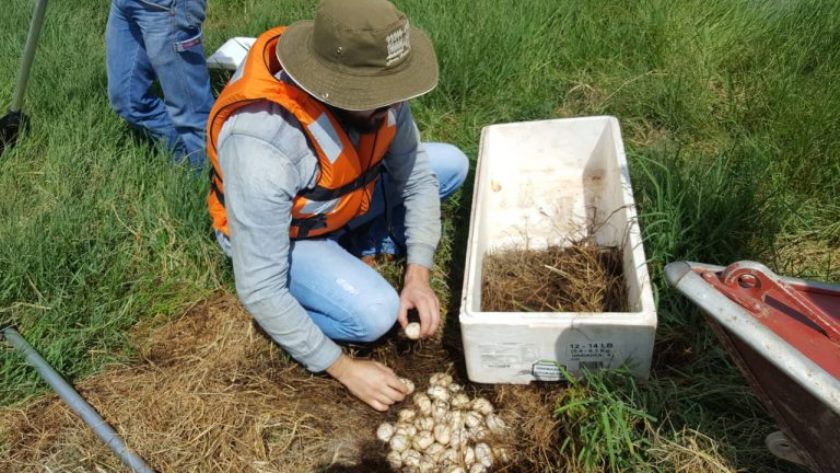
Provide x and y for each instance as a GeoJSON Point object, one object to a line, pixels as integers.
{"type": "Point", "coordinates": [266, 161]}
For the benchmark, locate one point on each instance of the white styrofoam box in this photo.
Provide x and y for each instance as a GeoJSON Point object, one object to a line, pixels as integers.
{"type": "Point", "coordinates": [231, 54]}
{"type": "Point", "coordinates": [544, 183]}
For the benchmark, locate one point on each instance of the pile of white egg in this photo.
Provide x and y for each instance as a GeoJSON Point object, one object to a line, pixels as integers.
{"type": "Point", "coordinates": [444, 432]}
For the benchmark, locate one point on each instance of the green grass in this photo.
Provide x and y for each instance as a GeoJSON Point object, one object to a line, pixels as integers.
{"type": "Point", "coordinates": [730, 113]}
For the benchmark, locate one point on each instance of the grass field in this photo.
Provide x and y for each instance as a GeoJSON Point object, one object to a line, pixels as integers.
{"type": "Point", "coordinates": [730, 112]}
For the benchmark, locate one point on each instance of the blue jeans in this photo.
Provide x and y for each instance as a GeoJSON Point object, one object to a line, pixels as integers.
{"type": "Point", "coordinates": [148, 40]}
{"type": "Point", "coordinates": [381, 230]}
{"type": "Point", "coordinates": [346, 298]}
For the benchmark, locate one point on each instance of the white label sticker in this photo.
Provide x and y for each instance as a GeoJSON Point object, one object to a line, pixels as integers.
{"type": "Point", "coordinates": [592, 351]}
{"type": "Point", "coordinates": [546, 370]}
{"type": "Point", "coordinates": [507, 355]}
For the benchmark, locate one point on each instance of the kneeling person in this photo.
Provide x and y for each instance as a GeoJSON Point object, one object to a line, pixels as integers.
{"type": "Point", "coordinates": [317, 162]}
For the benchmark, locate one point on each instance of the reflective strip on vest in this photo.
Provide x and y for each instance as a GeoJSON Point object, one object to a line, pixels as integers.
{"type": "Point", "coordinates": [392, 117]}
{"type": "Point", "coordinates": [326, 136]}
{"type": "Point", "coordinates": [318, 207]}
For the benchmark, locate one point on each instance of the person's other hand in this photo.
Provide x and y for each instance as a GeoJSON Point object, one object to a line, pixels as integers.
{"type": "Point", "coordinates": [417, 294]}
{"type": "Point", "coordinates": [372, 382]}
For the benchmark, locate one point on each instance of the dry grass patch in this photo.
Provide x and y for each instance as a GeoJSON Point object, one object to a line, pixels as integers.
{"type": "Point", "coordinates": [212, 393]}
{"type": "Point", "coordinates": [582, 277]}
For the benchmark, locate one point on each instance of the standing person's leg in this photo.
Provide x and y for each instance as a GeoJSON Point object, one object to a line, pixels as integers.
{"type": "Point", "coordinates": [372, 235]}
{"type": "Point", "coordinates": [130, 73]}
{"type": "Point", "coordinates": [347, 299]}
{"type": "Point", "coordinates": [177, 56]}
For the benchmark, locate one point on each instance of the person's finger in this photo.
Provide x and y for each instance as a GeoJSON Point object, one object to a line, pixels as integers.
{"type": "Point", "coordinates": [383, 398]}
{"type": "Point", "coordinates": [402, 317]}
{"type": "Point", "coordinates": [435, 321]}
{"type": "Point", "coordinates": [377, 405]}
{"type": "Point", "coordinates": [434, 314]}
{"type": "Point", "coordinates": [384, 368]}
{"type": "Point", "coordinates": [424, 309]}
{"type": "Point", "coordinates": [398, 385]}
{"type": "Point", "coordinates": [393, 394]}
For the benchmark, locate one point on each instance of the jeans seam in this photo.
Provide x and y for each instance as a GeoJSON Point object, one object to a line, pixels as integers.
{"type": "Point", "coordinates": [158, 7]}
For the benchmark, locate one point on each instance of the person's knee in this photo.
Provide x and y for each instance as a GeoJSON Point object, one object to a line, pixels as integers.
{"type": "Point", "coordinates": [452, 167]}
{"type": "Point", "coordinates": [378, 315]}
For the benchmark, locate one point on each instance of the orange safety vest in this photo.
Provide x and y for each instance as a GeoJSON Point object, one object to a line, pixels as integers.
{"type": "Point", "coordinates": [348, 173]}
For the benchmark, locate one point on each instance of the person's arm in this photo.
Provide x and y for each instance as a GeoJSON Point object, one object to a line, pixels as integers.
{"type": "Point", "coordinates": [409, 167]}
{"type": "Point", "coordinates": [260, 183]}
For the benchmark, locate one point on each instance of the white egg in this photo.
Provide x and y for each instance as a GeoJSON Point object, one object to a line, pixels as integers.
{"type": "Point", "coordinates": [482, 406]}
{"type": "Point", "coordinates": [412, 331]}
{"type": "Point", "coordinates": [495, 423]}
{"type": "Point", "coordinates": [411, 458]}
{"type": "Point", "coordinates": [469, 456]}
{"type": "Point", "coordinates": [450, 455]}
{"type": "Point", "coordinates": [484, 455]}
{"type": "Point", "coordinates": [394, 459]}
{"type": "Point", "coordinates": [435, 451]}
{"type": "Point", "coordinates": [424, 423]}
{"type": "Point", "coordinates": [442, 434]}
{"type": "Point", "coordinates": [440, 379]}
{"type": "Point", "coordinates": [406, 415]}
{"type": "Point", "coordinates": [438, 393]}
{"type": "Point", "coordinates": [440, 411]}
{"type": "Point", "coordinates": [385, 432]}
{"type": "Point", "coordinates": [478, 468]}
{"type": "Point", "coordinates": [427, 465]}
{"type": "Point", "coordinates": [473, 419]}
{"type": "Point", "coordinates": [456, 436]}
{"type": "Point", "coordinates": [409, 384]}
{"type": "Point", "coordinates": [422, 440]}
{"type": "Point", "coordinates": [398, 443]}
{"type": "Point", "coordinates": [423, 403]}
{"type": "Point", "coordinates": [479, 432]}
{"type": "Point", "coordinates": [460, 400]}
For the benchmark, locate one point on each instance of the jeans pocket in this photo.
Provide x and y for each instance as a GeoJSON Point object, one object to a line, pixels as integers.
{"type": "Point", "coordinates": [190, 14]}
{"type": "Point", "coordinates": [186, 39]}
{"type": "Point", "coordinates": [159, 5]}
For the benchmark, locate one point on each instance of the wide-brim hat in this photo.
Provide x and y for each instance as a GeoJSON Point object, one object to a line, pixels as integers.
{"type": "Point", "coordinates": [359, 55]}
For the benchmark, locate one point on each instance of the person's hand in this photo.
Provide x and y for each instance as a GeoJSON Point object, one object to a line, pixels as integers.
{"type": "Point", "coordinates": [418, 294]}
{"type": "Point", "coordinates": [372, 382]}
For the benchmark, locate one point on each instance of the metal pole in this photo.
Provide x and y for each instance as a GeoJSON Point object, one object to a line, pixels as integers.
{"type": "Point", "coordinates": [28, 54]}
{"type": "Point", "coordinates": [76, 402]}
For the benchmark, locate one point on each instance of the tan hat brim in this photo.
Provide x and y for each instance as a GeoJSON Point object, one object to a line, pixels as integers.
{"type": "Point", "coordinates": [347, 89]}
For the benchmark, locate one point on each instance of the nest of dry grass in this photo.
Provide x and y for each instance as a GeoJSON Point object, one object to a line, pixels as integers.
{"type": "Point", "coordinates": [212, 393]}
{"type": "Point", "coordinates": [581, 277]}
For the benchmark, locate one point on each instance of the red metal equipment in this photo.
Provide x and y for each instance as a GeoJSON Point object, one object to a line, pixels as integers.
{"type": "Point", "coordinates": [784, 335]}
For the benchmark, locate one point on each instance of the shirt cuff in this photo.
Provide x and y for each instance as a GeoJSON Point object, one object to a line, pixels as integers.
{"type": "Point", "coordinates": [421, 254]}
{"type": "Point", "coordinates": [322, 356]}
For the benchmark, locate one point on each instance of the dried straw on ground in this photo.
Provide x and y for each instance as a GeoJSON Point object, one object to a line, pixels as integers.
{"type": "Point", "coordinates": [212, 393]}
{"type": "Point", "coordinates": [582, 277]}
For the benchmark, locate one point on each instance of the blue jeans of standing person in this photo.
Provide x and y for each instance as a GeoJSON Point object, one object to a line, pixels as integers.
{"type": "Point", "coordinates": [345, 297]}
{"type": "Point", "coordinates": [148, 40]}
